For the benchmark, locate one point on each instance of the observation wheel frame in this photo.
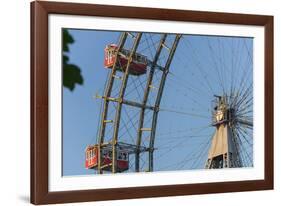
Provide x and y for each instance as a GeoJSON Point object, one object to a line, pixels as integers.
{"type": "Point", "coordinates": [143, 105]}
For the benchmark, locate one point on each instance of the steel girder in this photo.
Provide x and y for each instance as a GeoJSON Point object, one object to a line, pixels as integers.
{"type": "Point", "coordinates": [107, 93]}
{"type": "Point", "coordinates": [145, 98]}
{"type": "Point", "coordinates": [158, 100]}
{"type": "Point", "coordinates": [120, 103]}
{"type": "Point", "coordinates": [143, 106]}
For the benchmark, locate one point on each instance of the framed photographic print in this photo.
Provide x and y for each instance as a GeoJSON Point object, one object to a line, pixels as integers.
{"type": "Point", "coordinates": [131, 102]}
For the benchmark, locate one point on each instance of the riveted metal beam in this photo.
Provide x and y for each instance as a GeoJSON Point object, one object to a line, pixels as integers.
{"type": "Point", "coordinates": [107, 93]}
{"type": "Point", "coordinates": [127, 102]}
{"type": "Point", "coordinates": [119, 105]}
{"type": "Point", "coordinates": [158, 99]}
{"type": "Point", "coordinates": [145, 97]}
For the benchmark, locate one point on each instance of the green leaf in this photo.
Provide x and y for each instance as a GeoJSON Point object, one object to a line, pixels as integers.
{"type": "Point", "coordinates": [71, 76]}
{"type": "Point", "coordinates": [67, 39]}
{"type": "Point", "coordinates": [65, 59]}
{"type": "Point", "coordinates": [71, 73]}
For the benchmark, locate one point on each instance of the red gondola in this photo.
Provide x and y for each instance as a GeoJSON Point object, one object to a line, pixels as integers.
{"type": "Point", "coordinates": [106, 159]}
{"type": "Point", "coordinates": [91, 157]}
{"type": "Point", "coordinates": [137, 67]}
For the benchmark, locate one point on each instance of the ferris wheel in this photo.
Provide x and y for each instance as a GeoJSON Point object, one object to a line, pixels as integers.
{"type": "Point", "coordinates": [175, 102]}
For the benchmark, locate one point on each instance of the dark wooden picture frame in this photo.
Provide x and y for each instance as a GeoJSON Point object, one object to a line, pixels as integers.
{"type": "Point", "coordinates": [39, 102]}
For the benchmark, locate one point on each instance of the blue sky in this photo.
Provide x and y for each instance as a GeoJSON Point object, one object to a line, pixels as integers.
{"type": "Point", "coordinates": [201, 67]}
